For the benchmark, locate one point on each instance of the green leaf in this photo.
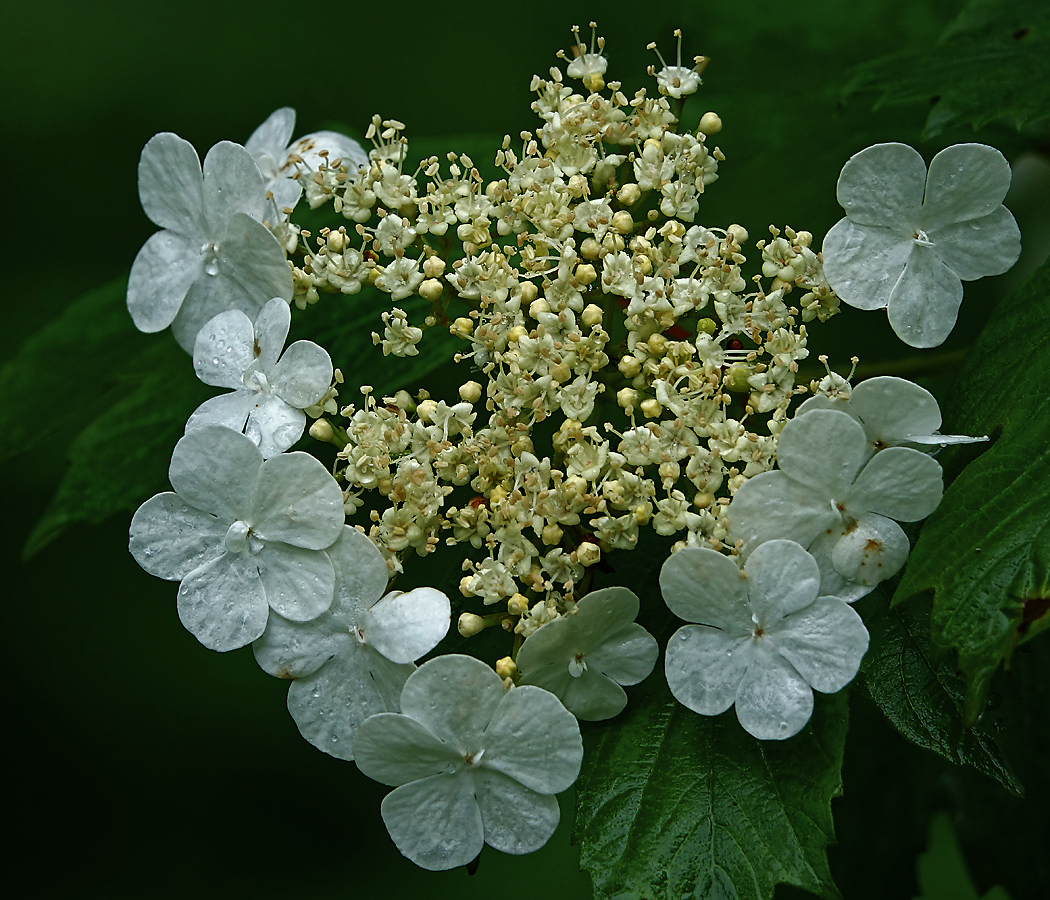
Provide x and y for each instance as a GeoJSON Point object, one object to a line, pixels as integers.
{"type": "Point", "coordinates": [985, 551]}
{"type": "Point", "coordinates": [942, 870]}
{"type": "Point", "coordinates": [992, 64]}
{"type": "Point", "coordinates": [923, 698]}
{"type": "Point", "coordinates": [673, 804]}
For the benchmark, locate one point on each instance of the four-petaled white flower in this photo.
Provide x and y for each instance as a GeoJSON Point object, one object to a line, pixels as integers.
{"type": "Point", "coordinates": [893, 411]}
{"type": "Point", "coordinates": [910, 239]}
{"type": "Point", "coordinates": [474, 764]}
{"type": "Point", "coordinates": [269, 395]}
{"type": "Point", "coordinates": [583, 658]}
{"type": "Point", "coordinates": [281, 160]}
{"type": "Point", "coordinates": [213, 254]}
{"type": "Point", "coordinates": [243, 535]}
{"type": "Point", "coordinates": [837, 500]}
{"type": "Point", "coordinates": [764, 639]}
{"type": "Point", "coordinates": [352, 661]}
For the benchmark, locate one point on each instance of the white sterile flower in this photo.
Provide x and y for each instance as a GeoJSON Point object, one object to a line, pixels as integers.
{"type": "Point", "coordinates": [474, 764]}
{"type": "Point", "coordinates": [764, 639]}
{"type": "Point", "coordinates": [281, 160]}
{"type": "Point", "coordinates": [909, 239]}
{"type": "Point", "coordinates": [269, 394]}
{"type": "Point", "coordinates": [243, 535]}
{"type": "Point", "coordinates": [893, 411]}
{"type": "Point", "coordinates": [213, 254]}
{"type": "Point", "coordinates": [583, 658]}
{"type": "Point", "coordinates": [352, 661]}
{"type": "Point", "coordinates": [834, 498]}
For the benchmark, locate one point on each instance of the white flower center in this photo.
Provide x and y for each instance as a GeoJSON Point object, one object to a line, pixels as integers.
{"type": "Point", "coordinates": [237, 537]}
{"type": "Point", "coordinates": [577, 666]}
{"type": "Point", "coordinates": [920, 237]}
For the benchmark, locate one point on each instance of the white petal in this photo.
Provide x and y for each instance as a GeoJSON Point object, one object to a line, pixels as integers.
{"type": "Point", "coordinates": [273, 425]}
{"type": "Point", "coordinates": [162, 274]}
{"type": "Point", "coordinates": [774, 702]}
{"type": "Point", "coordinates": [222, 603]}
{"type": "Point", "coordinates": [455, 697]}
{"type": "Point", "coordinates": [925, 302]}
{"type": "Point", "coordinates": [361, 574]}
{"type": "Point", "coordinates": [781, 578]}
{"type": "Point", "coordinates": [286, 194]}
{"type": "Point", "coordinates": [303, 375]}
{"type": "Point", "coordinates": [289, 649]}
{"type": "Point", "coordinates": [396, 749]}
{"type": "Point", "coordinates": [171, 185]}
{"type": "Point", "coordinates": [249, 270]}
{"type": "Point", "coordinates": [601, 614]}
{"type": "Point", "coordinates": [900, 483]}
{"type": "Point", "coordinates": [702, 585]}
{"type": "Point", "coordinates": [534, 739]}
{"type": "Point", "coordinates": [979, 247]}
{"type": "Point", "coordinates": [591, 697]}
{"type": "Point", "coordinates": [823, 450]}
{"type": "Point", "coordinates": [824, 643]}
{"type": "Point", "coordinates": [223, 350]}
{"type": "Point", "coordinates": [516, 820]}
{"type": "Point", "coordinates": [232, 184]}
{"type": "Point", "coordinates": [772, 505]}
{"type": "Point", "coordinates": [863, 263]}
{"type": "Point", "coordinates": [229, 410]}
{"type": "Point", "coordinates": [298, 502]}
{"type": "Point", "coordinates": [330, 705]}
{"type": "Point", "coordinates": [966, 181]}
{"type": "Point", "coordinates": [215, 469]}
{"type": "Point", "coordinates": [170, 539]}
{"type": "Point", "coordinates": [274, 135]}
{"type": "Point", "coordinates": [627, 657]}
{"type": "Point", "coordinates": [873, 550]}
{"type": "Point", "coordinates": [299, 583]}
{"type": "Point", "coordinates": [271, 331]}
{"type": "Point", "coordinates": [405, 626]}
{"type": "Point", "coordinates": [892, 409]}
{"type": "Point", "coordinates": [435, 822]}
{"type": "Point", "coordinates": [832, 582]}
{"type": "Point", "coordinates": [704, 668]}
{"type": "Point", "coordinates": [883, 185]}
{"type": "Point", "coordinates": [339, 146]}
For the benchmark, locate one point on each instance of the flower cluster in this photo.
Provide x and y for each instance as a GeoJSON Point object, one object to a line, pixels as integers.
{"type": "Point", "coordinates": [624, 372]}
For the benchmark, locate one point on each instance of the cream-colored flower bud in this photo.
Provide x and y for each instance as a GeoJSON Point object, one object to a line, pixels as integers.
{"type": "Point", "coordinates": [551, 535]}
{"type": "Point", "coordinates": [374, 274]}
{"type": "Point", "coordinates": [591, 315]}
{"type": "Point", "coordinates": [804, 238]}
{"type": "Point", "coordinates": [403, 400]}
{"type": "Point", "coordinates": [588, 553]}
{"type": "Point", "coordinates": [560, 372]}
{"type": "Point", "coordinates": [629, 366]}
{"type": "Point", "coordinates": [322, 430]}
{"type": "Point", "coordinates": [585, 274]}
{"type": "Point", "coordinates": [703, 500]}
{"type": "Point", "coordinates": [496, 496]}
{"type": "Point", "coordinates": [518, 605]}
{"type": "Point", "coordinates": [738, 233]}
{"type": "Point", "coordinates": [433, 267]}
{"type": "Point", "coordinates": [575, 485]}
{"type": "Point", "coordinates": [425, 410]}
{"type": "Point", "coordinates": [622, 222]}
{"type": "Point", "coordinates": [516, 334]}
{"type": "Point", "coordinates": [538, 307]}
{"type": "Point", "coordinates": [657, 344]}
{"type": "Point", "coordinates": [651, 408]}
{"type": "Point", "coordinates": [466, 591]}
{"type": "Point", "coordinates": [464, 326]}
{"type": "Point", "coordinates": [710, 123]}
{"type": "Point", "coordinates": [529, 292]}
{"type": "Point", "coordinates": [669, 472]}
{"type": "Point", "coordinates": [470, 624]}
{"type": "Point", "coordinates": [643, 264]}
{"type": "Point", "coordinates": [613, 242]}
{"type": "Point", "coordinates": [470, 391]}
{"type": "Point", "coordinates": [736, 378]}
{"type": "Point", "coordinates": [629, 194]}
{"type": "Point", "coordinates": [430, 290]}
{"type": "Point", "coordinates": [385, 485]}
{"type": "Point", "coordinates": [578, 186]}
{"type": "Point", "coordinates": [706, 326]}
{"type": "Point", "coordinates": [336, 241]}
{"type": "Point", "coordinates": [590, 249]}
{"type": "Point", "coordinates": [627, 398]}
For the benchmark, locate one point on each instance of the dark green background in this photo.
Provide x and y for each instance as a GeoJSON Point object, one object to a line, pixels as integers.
{"type": "Point", "coordinates": [145, 765]}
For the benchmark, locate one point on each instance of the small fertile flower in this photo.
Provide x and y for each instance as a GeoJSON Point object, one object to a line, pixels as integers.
{"type": "Point", "coordinates": [213, 254]}
{"type": "Point", "coordinates": [588, 66]}
{"type": "Point", "coordinates": [268, 394]}
{"type": "Point", "coordinates": [893, 412]}
{"type": "Point", "coordinates": [282, 160]}
{"type": "Point", "coordinates": [764, 639]}
{"type": "Point", "coordinates": [583, 658]}
{"type": "Point", "coordinates": [677, 81]}
{"type": "Point", "coordinates": [474, 764]}
{"type": "Point", "coordinates": [243, 535]}
{"type": "Point", "coordinates": [352, 661]}
{"type": "Point", "coordinates": [910, 238]}
{"type": "Point", "coordinates": [834, 498]}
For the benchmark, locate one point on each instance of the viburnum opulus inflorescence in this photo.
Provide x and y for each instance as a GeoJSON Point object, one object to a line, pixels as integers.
{"type": "Point", "coordinates": [625, 374]}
